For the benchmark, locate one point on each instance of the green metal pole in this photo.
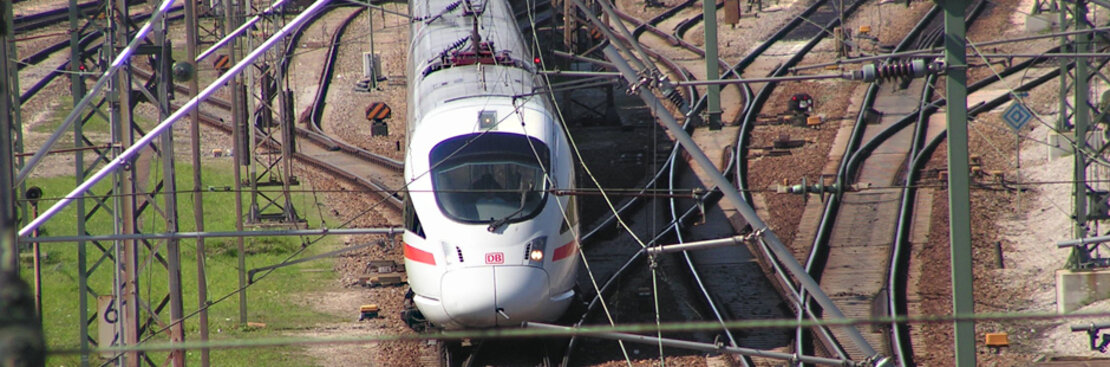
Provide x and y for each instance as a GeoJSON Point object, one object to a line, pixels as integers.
{"type": "Point", "coordinates": [959, 217]}
{"type": "Point", "coordinates": [9, 248]}
{"type": "Point", "coordinates": [374, 61]}
{"type": "Point", "coordinates": [21, 337]}
{"type": "Point", "coordinates": [1081, 119]}
{"type": "Point", "coordinates": [78, 90]}
{"type": "Point", "coordinates": [191, 39]}
{"type": "Point", "coordinates": [242, 154]}
{"type": "Point", "coordinates": [713, 92]}
{"type": "Point", "coordinates": [1062, 122]}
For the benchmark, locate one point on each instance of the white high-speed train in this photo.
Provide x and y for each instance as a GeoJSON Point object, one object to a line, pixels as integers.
{"type": "Point", "coordinates": [486, 243]}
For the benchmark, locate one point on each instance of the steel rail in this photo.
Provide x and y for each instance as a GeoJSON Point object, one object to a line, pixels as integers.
{"type": "Point", "coordinates": [818, 248]}
{"type": "Point", "coordinates": [635, 258]}
{"type": "Point", "coordinates": [925, 34]}
{"type": "Point", "coordinates": [629, 205]}
{"type": "Point", "coordinates": [85, 41]}
{"type": "Point", "coordinates": [745, 91]}
{"type": "Point", "coordinates": [926, 152]}
{"type": "Point", "coordinates": [741, 168]}
{"type": "Point", "coordinates": [735, 199]}
{"type": "Point", "coordinates": [673, 39]}
{"type": "Point", "coordinates": [926, 155]}
{"type": "Point", "coordinates": [899, 257]}
{"type": "Point", "coordinates": [45, 18]}
{"type": "Point", "coordinates": [690, 108]}
{"type": "Point", "coordinates": [317, 110]}
{"type": "Point", "coordinates": [691, 264]}
{"type": "Point", "coordinates": [239, 31]}
{"type": "Point", "coordinates": [696, 274]}
{"type": "Point", "coordinates": [315, 131]}
{"type": "Point", "coordinates": [120, 60]}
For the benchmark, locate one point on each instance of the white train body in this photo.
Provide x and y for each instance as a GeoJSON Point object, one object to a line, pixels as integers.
{"type": "Point", "coordinates": [486, 244]}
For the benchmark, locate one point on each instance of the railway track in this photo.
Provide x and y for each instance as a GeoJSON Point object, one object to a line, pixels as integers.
{"type": "Point", "coordinates": [737, 168]}
{"type": "Point", "coordinates": [372, 172]}
{"type": "Point", "coordinates": [888, 144]}
{"type": "Point", "coordinates": [637, 257]}
{"type": "Point", "coordinates": [682, 216]}
{"type": "Point", "coordinates": [50, 17]}
{"type": "Point", "coordinates": [338, 157]}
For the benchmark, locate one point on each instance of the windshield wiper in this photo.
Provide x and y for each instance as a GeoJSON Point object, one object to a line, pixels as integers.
{"type": "Point", "coordinates": [494, 224]}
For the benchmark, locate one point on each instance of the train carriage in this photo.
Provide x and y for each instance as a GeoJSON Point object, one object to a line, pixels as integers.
{"type": "Point", "coordinates": [487, 243]}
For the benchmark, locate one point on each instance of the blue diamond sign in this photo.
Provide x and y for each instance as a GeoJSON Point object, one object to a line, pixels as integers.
{"type": "Point", "coordinates": [1016, 115]}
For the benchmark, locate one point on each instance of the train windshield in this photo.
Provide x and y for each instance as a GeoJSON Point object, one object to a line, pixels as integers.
{"type": "Point", "coordinates": [494, 178]}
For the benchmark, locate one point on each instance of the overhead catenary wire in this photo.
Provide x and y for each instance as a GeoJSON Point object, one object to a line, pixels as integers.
{"type": "Point", "coordinates": [125, 156]}
{"type": "Point", "coordinates": [114, 66]}
{"type": "Point", "coordinates": [611, 190]}
{"type": "Point", "coordinates": [931, 51]}
{"type": "Point", "coordinates": [586, 169]}
{"type": "Point", "coordinates": [749, 214]}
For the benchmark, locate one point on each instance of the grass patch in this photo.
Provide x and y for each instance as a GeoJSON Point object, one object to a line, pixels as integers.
{"type": "Point", "coordinates": [95, 122]}
{"type": "Point", "coordinates": [270, 299]}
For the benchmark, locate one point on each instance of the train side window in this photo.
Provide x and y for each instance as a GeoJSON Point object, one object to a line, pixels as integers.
{"type": "Point", "coordinates": [412, 221]}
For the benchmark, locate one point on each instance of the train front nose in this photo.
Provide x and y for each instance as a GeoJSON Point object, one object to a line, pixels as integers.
{"type": "Point", "coordinates": [516, 292]}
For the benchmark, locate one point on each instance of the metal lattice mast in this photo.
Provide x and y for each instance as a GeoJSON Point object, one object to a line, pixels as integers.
{"type": "Point", "coordinates": [242, 157]}
{"type": "Point", "coordinates": [78, 91]}
{"type": "Point", "coordinates": [1043, 6]}
{"type": "Point", "coordinates": [268, 169]}
{"type": "Point", "coordinates": [161, 62]}
{"type": "Point", "coordinates": [125, 284]}
{"type": "Point", "coordinates": [9, 249]}
{"type": "Point", "coordinates": [136, 192]}
{"type": "Point", "coordinates": [191, 38]}
{"type": "Point", "coordinates": [1078, 76]}
{"type": "Point", "coordinates": [16, 116]}
{"type": "Point", "coordinates": [22, 332]}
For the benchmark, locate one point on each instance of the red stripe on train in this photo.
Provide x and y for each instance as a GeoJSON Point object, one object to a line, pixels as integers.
{"type": "Point", "coordinates": [418, 255]}
{"type": "Point", "coordinates": [565, 250]}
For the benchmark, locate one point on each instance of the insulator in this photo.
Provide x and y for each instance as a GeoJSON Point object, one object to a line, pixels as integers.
{"type": "Point", "coordinates": [902, 69]}
{"type": "Point", "coordinates": [458, 43]}
{"type": "Point", "coordinates": [454, 46]}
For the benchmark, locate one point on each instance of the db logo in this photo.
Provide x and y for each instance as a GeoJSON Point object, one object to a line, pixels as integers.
{"type": "Point", "coordinates": [495, 258]}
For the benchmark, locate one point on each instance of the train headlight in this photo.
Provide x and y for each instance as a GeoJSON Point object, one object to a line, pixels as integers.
{"type": "Point", "coordinates": [534, 252]}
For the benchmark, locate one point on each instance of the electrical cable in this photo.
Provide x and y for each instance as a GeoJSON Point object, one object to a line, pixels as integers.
{"type": "Point", "coordinates": [589, 173]}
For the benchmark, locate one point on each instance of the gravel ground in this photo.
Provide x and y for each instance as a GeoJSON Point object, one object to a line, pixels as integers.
{"type": "Point", "coordinates": [1025, 227]}
{"type": "Point", "coordinates": [1024, 285]}
{"type": "Point", "coordinates": [344, 117]}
